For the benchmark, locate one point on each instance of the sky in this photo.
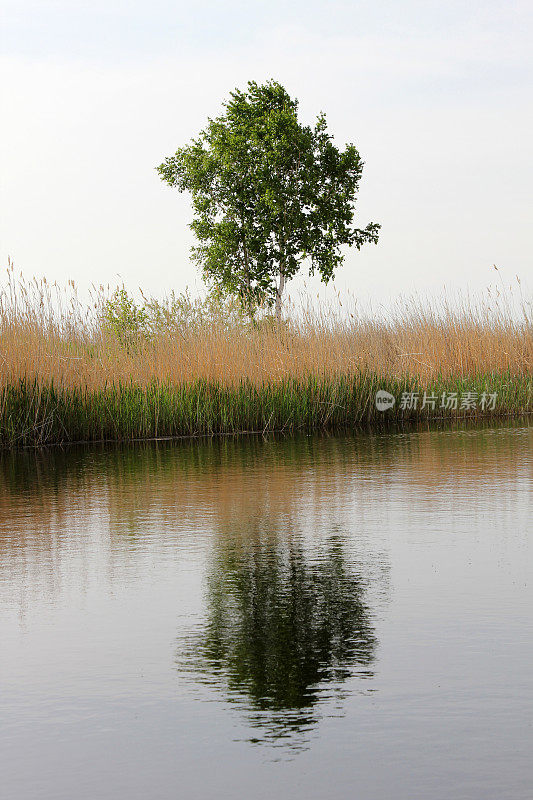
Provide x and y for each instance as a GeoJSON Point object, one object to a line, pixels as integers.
{"type": "Point", "coordinates": [436, 96]}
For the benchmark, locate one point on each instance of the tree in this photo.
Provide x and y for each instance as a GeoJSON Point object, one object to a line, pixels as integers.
{"type": "Point", "coordinates": [268, 193]}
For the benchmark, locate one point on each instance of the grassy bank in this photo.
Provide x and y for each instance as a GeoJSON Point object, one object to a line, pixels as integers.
{"type": "Point", "coordinates": [118, 370]}
{"type": "Point", "coordinates": [35, 414]}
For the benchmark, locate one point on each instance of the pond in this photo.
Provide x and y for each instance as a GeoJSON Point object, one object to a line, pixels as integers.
{"type": "Point", "coordinates": [340, 617]}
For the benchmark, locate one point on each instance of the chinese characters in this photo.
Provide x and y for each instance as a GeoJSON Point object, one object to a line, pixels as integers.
{"type": "Point", "coordinates": [448, 401]}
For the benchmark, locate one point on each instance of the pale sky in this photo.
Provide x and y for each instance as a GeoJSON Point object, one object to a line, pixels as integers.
{"type": "Point", "coordinates": [437, 96]}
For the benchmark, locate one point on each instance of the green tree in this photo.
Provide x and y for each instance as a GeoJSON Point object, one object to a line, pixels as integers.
{"type": "Point", "coordinates": [268, 193]}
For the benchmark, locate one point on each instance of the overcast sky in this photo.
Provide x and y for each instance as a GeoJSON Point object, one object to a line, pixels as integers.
{"type": "Point", "coordinates": [437, 96]}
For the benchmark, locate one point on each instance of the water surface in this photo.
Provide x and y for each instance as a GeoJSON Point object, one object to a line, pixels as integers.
{"type": "Point", "coordinates": [304, 618]}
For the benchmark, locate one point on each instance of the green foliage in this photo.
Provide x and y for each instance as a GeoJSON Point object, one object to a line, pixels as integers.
{"type": "Point", "coordinates": [34, 414]}
{"type": "Point", "coordinates": [125, 319]}
{"type": "Point", "coordinates": [134, 324]}
{"type": "Point", "coordinates": [268, 192]}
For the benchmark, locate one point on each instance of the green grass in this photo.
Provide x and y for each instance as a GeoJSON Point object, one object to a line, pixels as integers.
{"type": "Point", "coordinates": [32, 414]}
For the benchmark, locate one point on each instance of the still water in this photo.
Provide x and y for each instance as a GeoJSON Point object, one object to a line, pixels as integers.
{"type": "Point", "coordinates": [345, 617]}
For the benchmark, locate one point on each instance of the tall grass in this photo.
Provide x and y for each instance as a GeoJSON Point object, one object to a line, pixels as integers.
{"type": "Point", "coordinates": [116, 369]}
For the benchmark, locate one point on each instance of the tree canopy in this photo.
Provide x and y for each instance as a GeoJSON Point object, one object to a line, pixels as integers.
{"type": "Point", "coordinates": [268, 193]}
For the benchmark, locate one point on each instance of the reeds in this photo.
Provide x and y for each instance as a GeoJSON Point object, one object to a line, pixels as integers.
{"type": "Point", "coordinates": [113, 369]}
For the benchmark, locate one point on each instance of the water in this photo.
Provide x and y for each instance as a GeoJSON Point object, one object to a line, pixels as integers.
{"type": "Point", "coordinates": [315, 617]}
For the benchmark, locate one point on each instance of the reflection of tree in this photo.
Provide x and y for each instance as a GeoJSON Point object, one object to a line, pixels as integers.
{"type": "Point", "coordinates": [281, 625]}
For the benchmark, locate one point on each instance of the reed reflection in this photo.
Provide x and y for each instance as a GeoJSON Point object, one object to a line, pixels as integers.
{"type": "Point", "coordinates": [88, 512]}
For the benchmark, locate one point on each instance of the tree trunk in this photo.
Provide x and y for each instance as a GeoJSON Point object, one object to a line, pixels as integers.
{"type": "Point", "coordinates": [248, 298]}
{"type": "Point", "coordinates": [279, 293]}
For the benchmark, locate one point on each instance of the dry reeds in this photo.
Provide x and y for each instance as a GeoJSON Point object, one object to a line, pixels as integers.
{"type": "Point", "coordinates": [116, 369]}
